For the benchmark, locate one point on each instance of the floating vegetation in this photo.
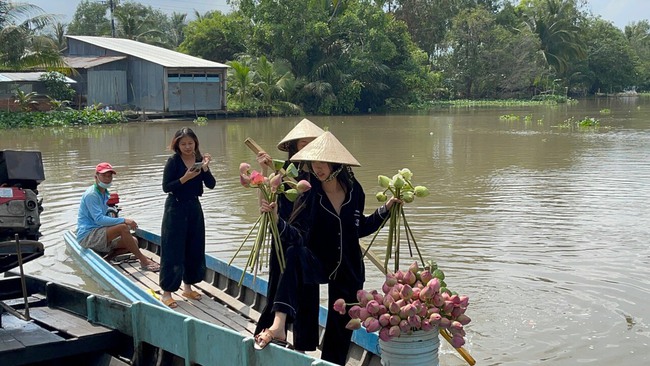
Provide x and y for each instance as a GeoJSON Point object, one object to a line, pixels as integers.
{"type": "Point", "coordinates": [587, 122]}
{"type": "Point", "coordinates": [509, 117]}
{"type": "Point", "coordinates": [605, 111]}
{"type": "Point", "coordinates": [201, 121]}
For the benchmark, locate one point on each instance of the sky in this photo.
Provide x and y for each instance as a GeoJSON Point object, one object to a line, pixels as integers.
{"type": "Point", "coordinates": [619, 12]}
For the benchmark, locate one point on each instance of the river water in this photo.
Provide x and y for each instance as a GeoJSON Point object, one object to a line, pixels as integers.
{"type": "Point", "coordinates": [545, 228]}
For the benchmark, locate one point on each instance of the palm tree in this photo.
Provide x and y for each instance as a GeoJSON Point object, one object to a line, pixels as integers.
{"type": "Point", "coordinates": [241, 80]}
{"type": "Point", "coordinates": [555, 24]}
{"type": "Point", "coordinates": [22, 45]}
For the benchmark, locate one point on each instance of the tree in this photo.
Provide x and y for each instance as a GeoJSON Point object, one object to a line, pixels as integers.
{"type": "Point", "coordinates": [90, 19]}
{"type": "Point", "coordinates": [22, 43]}
{"type": "Point", "coordinates": [638, 37]}
{"type": "Point", "coordinates": [556, 24]}
{"type": "Point", "coordinates": [217, 37]}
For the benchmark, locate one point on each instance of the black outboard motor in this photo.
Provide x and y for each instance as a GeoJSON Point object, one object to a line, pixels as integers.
{"type": "Point", "coordinates": [20, 209]}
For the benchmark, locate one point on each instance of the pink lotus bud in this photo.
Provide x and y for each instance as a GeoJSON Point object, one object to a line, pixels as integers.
{"type": "Point", "coordinates": [444, 323]}
{"type": "Point", "coordinates": [339, 306]}
{"type": "Point", "coordinates": [415, 321]}
{"type": "Point", "coordinates": [416, 294]}
{"type": "Point", "coordinates": [385, 288]}
{"type": "Point", "coordinates": [413, 268]}
{"type": "Point", "coordinates": [426, 325]}
{"type": "Point", "coordinates": [354, 311]}
{"type": "Point", "coordinates": [394, 293]}
{"type": "Point", "coordinates": [276, 180]}
{"type": "Point", "coordinates": [377, 297]}
{"type": "Point", "coordinates": [407, 292]}
{"type": "Point", "coordinates": [303, 186]}
{"type": "Point", "coordinates": [391, 280]}
{"type": "Point", "coordinates": [404, 325]}
{"type": "Point", "coordinates": [456, 312]}
{"type": "Point", "coordinates": [463, 319]}
{"type": "Point", "coordinates": [457, 341]}
{"type": "Point", "coordinates": [243, 168]}
{"type": "Point", "coordinates": [395, 319]}
{"type": "Point", "coordinates": [422, 311]}
{"type": "Point", "coordinates": [394, 331]}
{"type": "Point", "coordinates": [455, 325]}
{"type": "Point", "coordinates": [394, 308]}
{"type": "Point", "coordinates": [433, 310]}
{"type": "Point", "coordinates": [399, 276]}
{"type": "Point", "coordinates": [435, 318]}
{"type": "Point", "coordinates": [400, 303]}
{"type": "Point", "coordinates": [425, 276]}
{"type": "Point", "coordinates": [384, 320]}
{"type": "Point", "coordinates": [384, 334]}
{"type": "Point", "coordinates": [455, 299]}
{"type": "Point", "coordinates": [371, 324]}
{"type": "Point", "coordinates": [409, 278]}
{"type": "Point", "coordinates": [372, 307]}
{"type": "Point", "coordinates": [434, 283]}
{"type": "Point", "coordinates": [353, 324]}
{"type": "Point", "coordinates": [363, 314]}
{"type": "Point", "coordinates": [382, 309]}
{"type": "Point", "coordinates": [437, 300]}
{"type": "Point", "coordinates": [257, 178]}
{"type": "Point", "coordinates": [363, 297]}
{"type": "Point", "coordinates": [447, 307]}
{"type": "Point", "coordinates": [245, 180]}
{"type": "Point", "coordinates": [426, 294]}
{"type": "Point", "coordinates": [388, 300]}
{"type": "Point", "coordinates": [456, 331]}
{"type": "Point", "coordinates": [464, 301]}
{"type": "Point", "coordinates": [445, 296]}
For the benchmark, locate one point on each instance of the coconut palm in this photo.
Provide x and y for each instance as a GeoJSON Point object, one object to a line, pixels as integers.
{"type": "Point", "coordinates": [22, 45]}
{"type": "Point", "coordinates": [240, 79]}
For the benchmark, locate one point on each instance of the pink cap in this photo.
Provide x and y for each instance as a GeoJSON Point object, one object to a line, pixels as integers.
{"type": "Point", "coordinates": [104, 168]}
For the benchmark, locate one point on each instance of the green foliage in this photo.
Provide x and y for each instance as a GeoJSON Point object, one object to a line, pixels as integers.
{"type": "Point", "coordinates": [87, 116]}
{"type": "Point", "coordinates": [57, 86]}
{"type": "Point", "coordinates": [201, 121]}
{"type": "Point", "coordinates": [605, 111]}
{"type": "Point", "coordinates": [509, 117]}
{"type": "Point", "coordinates": [25, 100]}
{"type": "Point", "coordinates": [216, 37]}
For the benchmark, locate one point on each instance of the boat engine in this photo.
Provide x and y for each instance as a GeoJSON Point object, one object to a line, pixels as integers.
{"type": "Point", "coordinates": [20, 209]}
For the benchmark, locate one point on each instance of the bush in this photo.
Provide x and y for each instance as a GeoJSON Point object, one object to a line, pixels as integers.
{"type": "Point", "coordinates": [57, 86]}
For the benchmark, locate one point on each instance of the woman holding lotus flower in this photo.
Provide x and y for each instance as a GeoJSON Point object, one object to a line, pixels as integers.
{"type": "Point", "coordinates": [327, 222]}
{"type": "Point", "coordinates": [303, 133]}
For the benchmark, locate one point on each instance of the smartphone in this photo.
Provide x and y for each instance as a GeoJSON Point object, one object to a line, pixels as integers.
{"type": "Point", "coordinates": [196, 167]}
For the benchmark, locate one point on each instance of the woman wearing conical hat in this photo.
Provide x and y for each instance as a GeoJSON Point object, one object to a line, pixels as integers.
{"type": "Point", "coordinates": [328, 221]}
{"type": "Point", "coordinates": [304, 340]}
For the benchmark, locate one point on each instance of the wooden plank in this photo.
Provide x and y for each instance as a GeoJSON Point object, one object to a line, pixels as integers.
{"type": "Point", "coordinates": [17, 334]}
{"type": "Point", "coordinates": [66, 322]}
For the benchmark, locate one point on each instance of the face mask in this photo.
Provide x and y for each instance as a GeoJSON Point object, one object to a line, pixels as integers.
{"type": "Point", "coordinates": [104, 185]}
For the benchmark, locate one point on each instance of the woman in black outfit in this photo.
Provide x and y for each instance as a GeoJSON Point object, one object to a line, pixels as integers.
{"type": "Point", "coordinates": [303, 133]}
{"type": "Point", "coordinates": [328, 221]}
{"type": "Point", "coordinates": [182, 254]}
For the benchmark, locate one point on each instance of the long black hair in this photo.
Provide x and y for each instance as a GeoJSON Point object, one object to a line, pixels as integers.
{"type": "Point", "coordinates": [186, 131]}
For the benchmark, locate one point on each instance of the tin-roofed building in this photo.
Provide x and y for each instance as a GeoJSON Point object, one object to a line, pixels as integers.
{"type": "Point", "coordinates": [123, 72]}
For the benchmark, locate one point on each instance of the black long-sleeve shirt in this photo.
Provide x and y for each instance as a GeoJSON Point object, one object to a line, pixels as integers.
{"type": "Point", "coordinates": [334, 238]}
{"type": "Point", "coordinates": [174, 169]}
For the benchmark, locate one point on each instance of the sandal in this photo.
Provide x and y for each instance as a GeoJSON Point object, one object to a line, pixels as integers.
{"type": "Point", "coordinates": [151, 267]}
{"type": "Point", "coordinates": [192, 295]}
{"type": "Point", "coordinates": [265, 337]}
{"type": "Point", "coordinates": [171, 303]}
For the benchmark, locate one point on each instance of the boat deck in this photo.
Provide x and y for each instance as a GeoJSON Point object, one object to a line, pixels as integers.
{"type": "Point", "coordinates": [216, 305]}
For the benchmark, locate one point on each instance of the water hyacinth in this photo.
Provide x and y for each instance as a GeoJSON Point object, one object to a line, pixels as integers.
{"type": "Point", "coordinates": [411, 300]}
{"type": "Point", "coordinates": [280, 181]}
{"type": "Point", "coordinates": [400, 186]}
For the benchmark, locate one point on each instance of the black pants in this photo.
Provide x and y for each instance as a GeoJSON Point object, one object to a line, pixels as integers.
{"type": "Point", "coordinates": [182, 248]}
{"type": "Point", "coordinates": [297, 299]}
{"type": "Point", "coordinates": [336, 341]}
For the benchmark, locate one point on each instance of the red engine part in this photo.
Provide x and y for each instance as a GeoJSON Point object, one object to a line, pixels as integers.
{"type": "Point", "coordinates": [113, 199]}
{"type": "Point", "coordinates": [11, 194]}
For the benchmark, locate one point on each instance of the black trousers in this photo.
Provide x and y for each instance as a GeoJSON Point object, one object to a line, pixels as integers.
{"type": "Point", "coordinates": [294, 297]}
{"type": "Point", "coordinates": [182, 248]}
{"type": "Point", "coordinates": [337, 339]}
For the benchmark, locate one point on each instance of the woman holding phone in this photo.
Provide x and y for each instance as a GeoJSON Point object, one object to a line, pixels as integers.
{"type": "Point", "coordinates": [182, 256]}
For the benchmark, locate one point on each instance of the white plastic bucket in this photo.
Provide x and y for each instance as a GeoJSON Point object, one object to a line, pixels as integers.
{"type": "Point", "coordinates": [419, 348]}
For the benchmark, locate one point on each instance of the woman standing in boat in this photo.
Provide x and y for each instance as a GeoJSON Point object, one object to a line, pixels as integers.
{"type": "Point", "coordinates": [303, 133]}
{"type": "Point", "coordinates": [328, 221]}
{"type": "Point", "coordinates": [182, 256]}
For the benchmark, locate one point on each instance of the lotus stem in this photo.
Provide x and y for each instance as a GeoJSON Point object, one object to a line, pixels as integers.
{"type": "Point", "coordinates": [410, 232]}
{"type": "Point", "coordinates": [245, 239]}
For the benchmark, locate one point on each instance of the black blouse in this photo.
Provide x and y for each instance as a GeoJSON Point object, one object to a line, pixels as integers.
{"type": "Point", "coordinates": [174, 169]}
{"type": "Point", "coordinates": [334, 238]}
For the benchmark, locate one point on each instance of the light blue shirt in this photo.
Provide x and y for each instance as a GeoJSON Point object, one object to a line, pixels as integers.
{"type": "Point", "coordinates": [92, 212]}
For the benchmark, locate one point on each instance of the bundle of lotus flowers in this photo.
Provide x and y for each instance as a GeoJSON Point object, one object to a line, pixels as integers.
{"type": "Point", "coordinates": [399, 186]}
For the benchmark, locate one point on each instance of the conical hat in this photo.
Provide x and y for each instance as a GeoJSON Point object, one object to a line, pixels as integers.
{"type": "Point", "coordinates": [328, 149]}
{"type": "Point", "coordinates": [303, 130]}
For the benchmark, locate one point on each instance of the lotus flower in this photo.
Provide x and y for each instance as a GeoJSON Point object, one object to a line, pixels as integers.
{"type": "Point", "coordinates": [403, 308]}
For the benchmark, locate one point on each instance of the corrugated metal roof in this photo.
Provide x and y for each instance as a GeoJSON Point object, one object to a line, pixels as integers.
{"type": "Point", "coordinates": [82, 62]}
{"type": "Point", "coordinates": [8, 77]}
{"type": "Point", "coordinates": [157, 55]}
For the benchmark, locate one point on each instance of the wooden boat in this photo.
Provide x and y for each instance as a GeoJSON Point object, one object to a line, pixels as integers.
{"type": "Point", "coordinates": [44, 323]}
{"type": "Point", "coordinates": [224, 303]}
